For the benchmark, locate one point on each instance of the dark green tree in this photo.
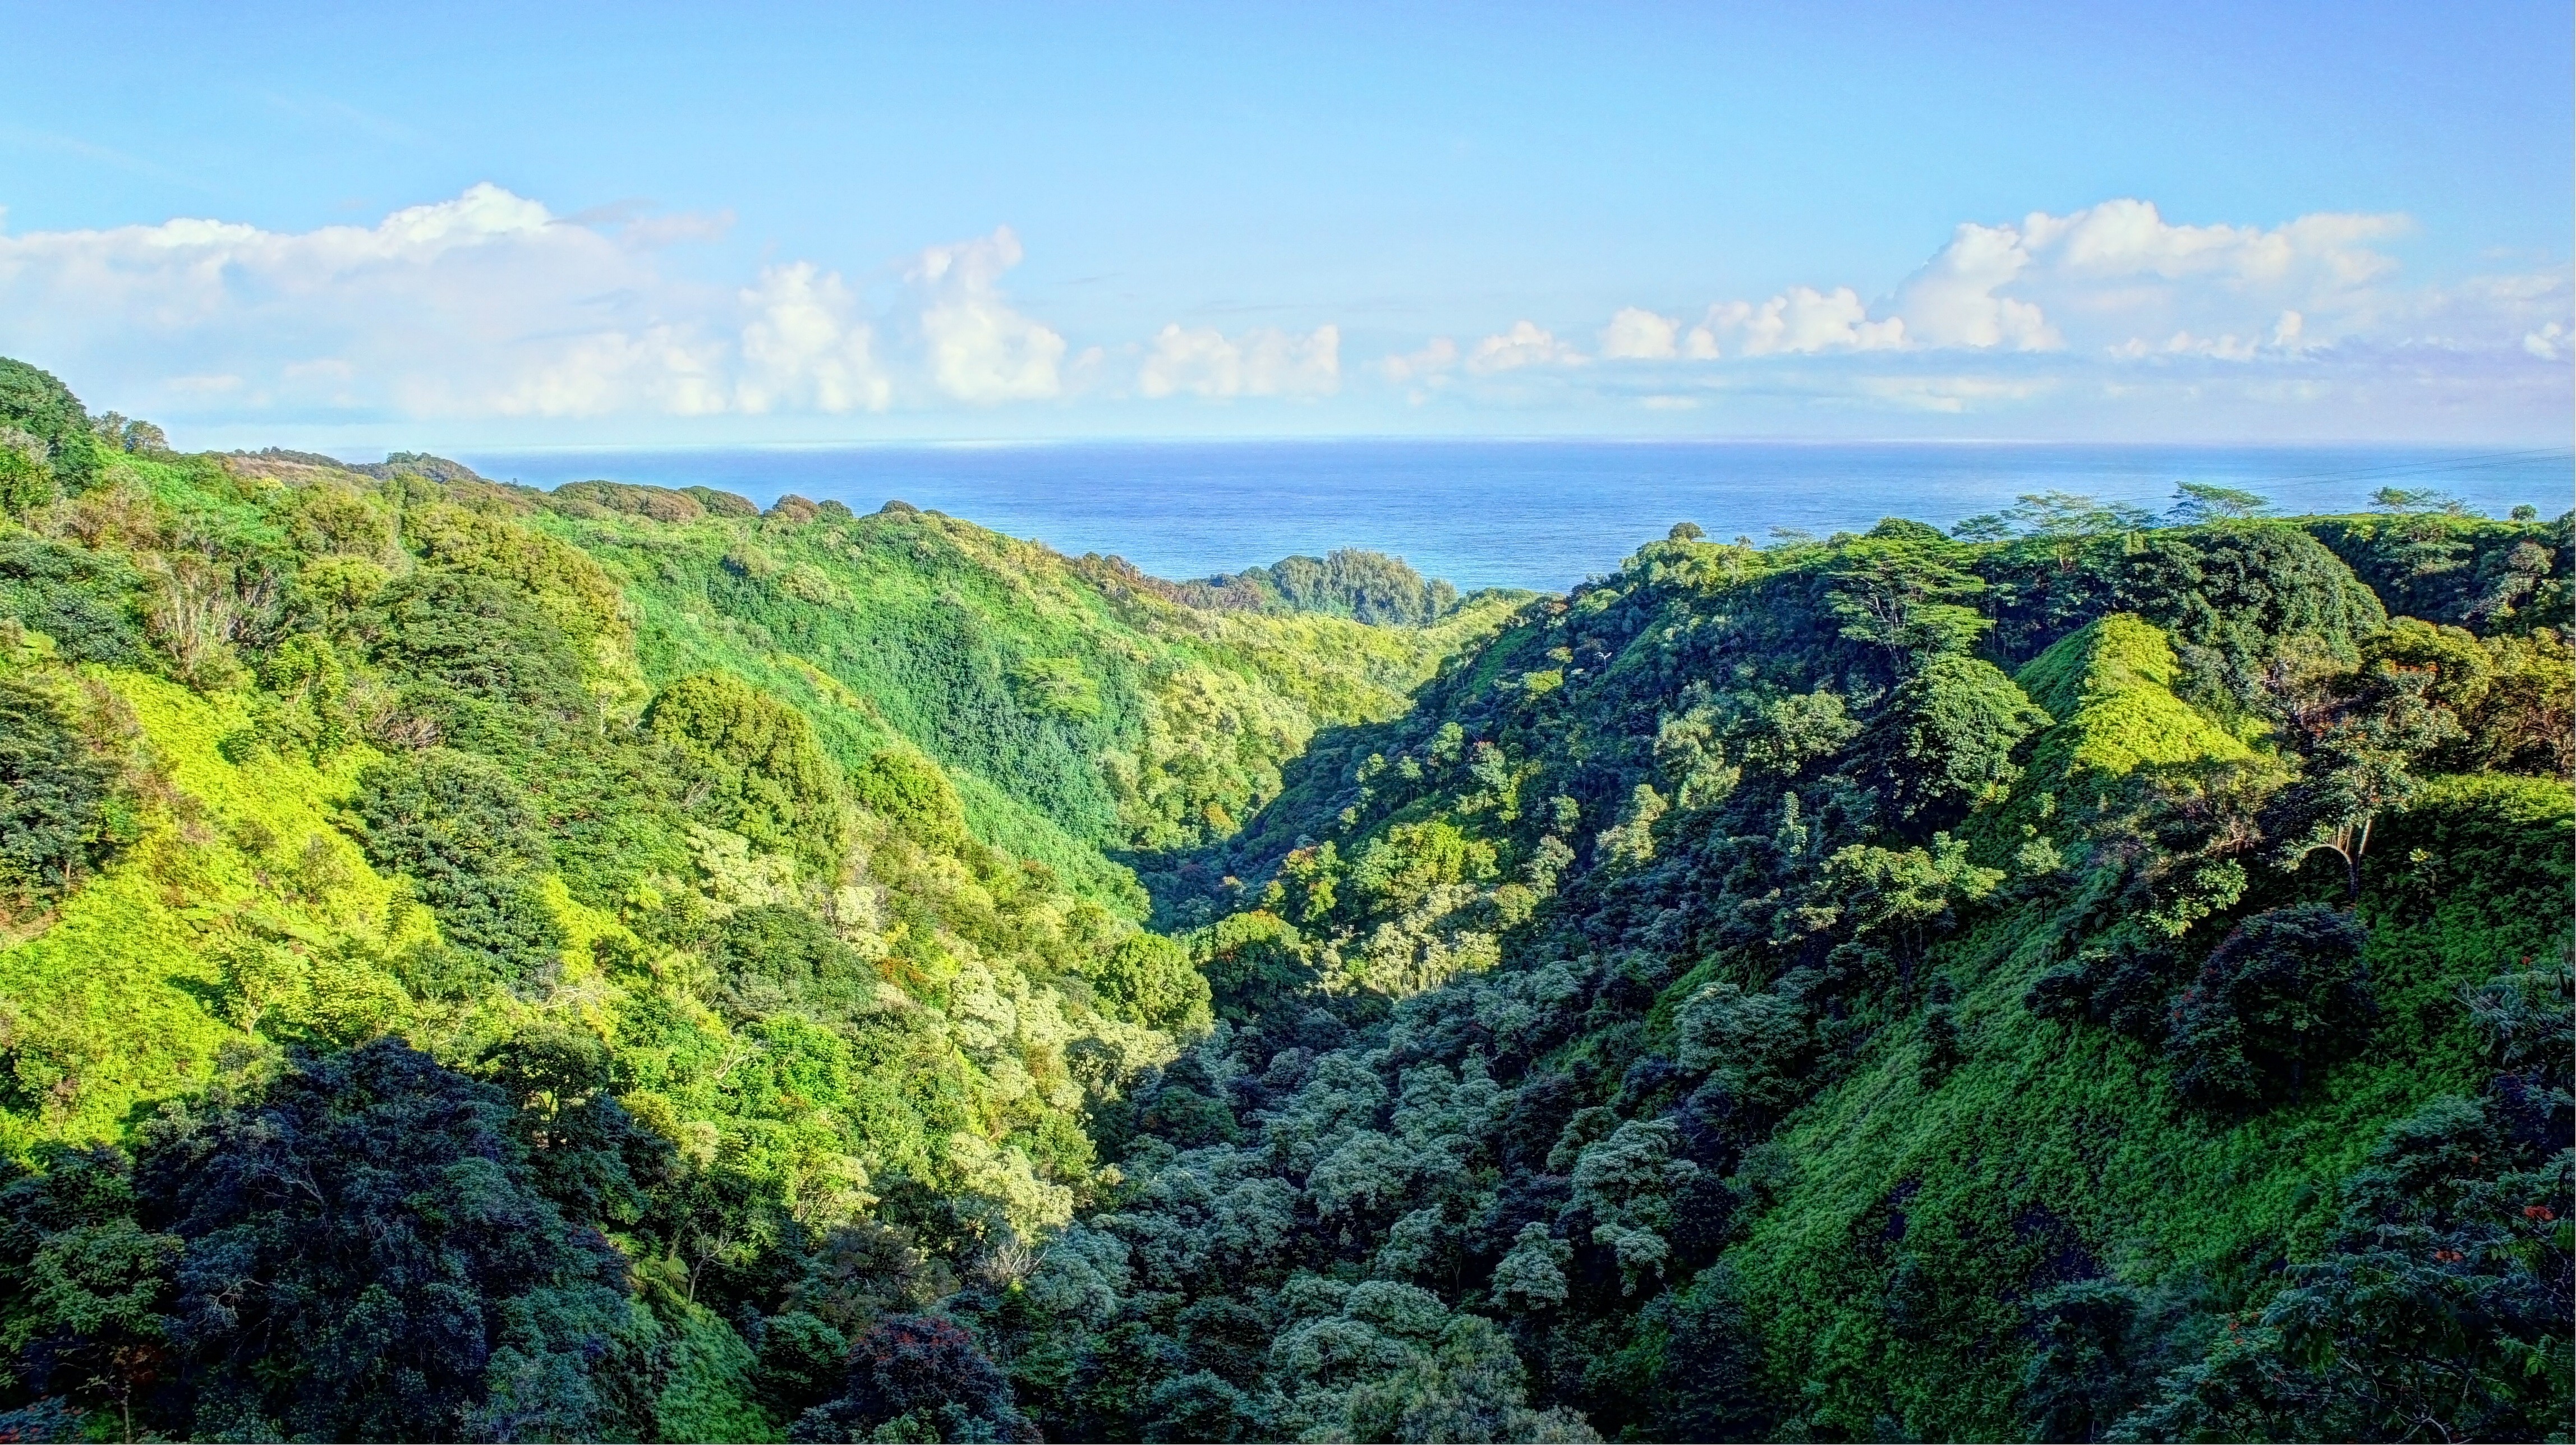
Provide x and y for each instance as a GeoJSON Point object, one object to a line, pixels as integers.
{"type": "Point", "coordinates": [2285, 993]}
{"type": "Point", "coordinates": [917, 1377]}
{"type": "Point", "coordinates": [57, 816]}
{"type": "Point", "coordinates": [1945, 742]}
{"type": "Point", "coordinates": [368, 1257]}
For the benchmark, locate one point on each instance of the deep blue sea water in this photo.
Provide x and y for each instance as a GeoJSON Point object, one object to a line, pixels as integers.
{"type": "Point", "coordinates": [1539, 514]}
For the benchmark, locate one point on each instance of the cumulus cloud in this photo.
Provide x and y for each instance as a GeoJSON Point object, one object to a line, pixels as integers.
{"type": "Point", "coordinates": [1636, 334]}
{"type": "Point", "coordinates": [2115, 302]}
{"type": "Point", "coordinates": [489, 304]}
{"type": "Point", "coordinates": [1428, 367]}
{"type": "Point", "coordinates": [2118, 279]}
{"type": "Point", "coordinates": [2120, 276]}
{"type": "Point", "coordinates": [1206, 362]}
{"type": "Point", "coordinates": [1954, 300]}
{"type": "Point", "coordinates": [1526, 344]}
{"type": "Point", "coordinates": [486, 304]}
{"type": "Point", "coordinates": [806, 346]}
{"type": "Point", "coordinates": [980, 350]}
{"type": "Point", "coordinates": [1798, 322]}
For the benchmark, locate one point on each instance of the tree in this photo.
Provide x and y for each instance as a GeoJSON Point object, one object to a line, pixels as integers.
{"type": "Point", "coordinates": [84, 1288]}
{"type": "Point", "coordinates": [1906, 896]}
{"type": "Point", "coordinates": [56, 816]}
{"type": "Point", "coordinates": [2084, 1370]}
{"type": "Point", "coordinates": [585, 1151]}
{"type": "Point", "coordinates": [1759, 1044]}
{"type": "Point", "coordinates": [1148, 979]}
{"type": "Point", "coordinates": [2437, 1311]}
{"type": "Point", "coordinates": [774, 784]}
{"type": "Point", "coordinates": [2284, 993]}
{"type": "Point", "coordinates": [369, 1258]}
{"type": "Point", "coordinates": [2360, 765]}
{"type": "Point", "coordinates": [2409, 500]}
{"type": "Point", "coordinates": [460, 830]}
{"type": "Point", "coordinates": [2064, 520]}
{"type": "Point", "coordinates": [923, 1376]}
{"type": "Point", "coordinates": [909, 791]}
{"type": "Point", "coordinates": [460, 635]}
{"type": "Point", "coordinates": [38, 405]}
{"type": "Point", "coordinates": [1944, 744]}
{"type": "Point", "coordinates": [2196, 503]}
{"type": "Point", "coordinates": [1906, 599]}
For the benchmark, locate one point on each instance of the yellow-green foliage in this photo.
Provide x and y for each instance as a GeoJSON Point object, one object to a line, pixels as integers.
{"type": "Point", "coordinates": [1074, 704]}
{"type": "Point", "coordinates": [125, 997]}
{"type": "Point", "coordinates": [2110, 686]}
{"type": "Point", "coordinates": [2054, 1132]}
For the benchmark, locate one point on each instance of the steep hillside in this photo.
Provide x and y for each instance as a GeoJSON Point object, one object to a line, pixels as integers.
{"type": "Point", "coordinates": [616, 964]}
{"type": "Point", "coordinates": [750, 879]}
{"type": "Point", "coordinates": [1776, 1019]}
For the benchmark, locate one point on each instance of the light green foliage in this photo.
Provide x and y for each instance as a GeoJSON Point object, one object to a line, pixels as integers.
{"type": "Point", "coordinates": [1779, 1023]}
{"type": "Point", "coordinates": [1907, 598]}
{"type": "Point", "coordinates": [2110, 686]}
{"type": "Point", "coordinates": [773, 783]}
{"type": "Point", "coordinates": [1412, 860]}
{"type": "Point", "coordinates": [1149, 980]}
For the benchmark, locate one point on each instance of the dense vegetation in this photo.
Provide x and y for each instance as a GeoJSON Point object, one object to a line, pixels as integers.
{"type": "Point", "coordinates": [616, 963]}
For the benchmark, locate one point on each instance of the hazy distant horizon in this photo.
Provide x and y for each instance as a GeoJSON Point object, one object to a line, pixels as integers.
{"type": "Point", "coordinates": [1540, 513]}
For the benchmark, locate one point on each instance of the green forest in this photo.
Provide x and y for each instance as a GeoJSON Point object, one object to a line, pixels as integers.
{"type": "Point", "coordinates": [618, 963]}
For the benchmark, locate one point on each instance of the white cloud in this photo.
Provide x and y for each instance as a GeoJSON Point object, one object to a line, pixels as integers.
{"type": "Point", "coordinates": [980, 350]}
{"type": "Point", "coordinates": [2119, 274]}
{"type": "Point", "coordinates": [1205, 362]}
{"type": "Point", "coordinates": [1636, 334]}
{"type": "Point", "coordinates": [490, 305]}
{"type": "Point", "coordinates": [1428, 367]}
{"type": "Point", "coordinates": [485, 304]}
{"type": "Point", "coordinates": [1799, 321]}
{"type": "Point", "coordinates": [1952, 301]}
{"type": "Point", "coordinates": [2121, 280]}
{"type": "Point", "coordinates": [1526, 344]}
{"type": "Point", "coordinates": [805, 346]}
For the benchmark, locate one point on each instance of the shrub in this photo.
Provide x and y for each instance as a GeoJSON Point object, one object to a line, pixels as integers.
{"type": "Point", "coordinates": [55, 821]}
{"type": "Point", "coordinates": [2284, 993]}
{"type": "Point", "coordinates": [916, 1373]}
{"type": "Point", "coordinates": [1149, 979]}
{"type": "Point", "coordinates": [774, 784]}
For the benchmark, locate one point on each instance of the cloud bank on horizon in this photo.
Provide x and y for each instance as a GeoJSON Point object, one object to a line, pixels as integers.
{"type": "Point", "coordinates": [491, 309]}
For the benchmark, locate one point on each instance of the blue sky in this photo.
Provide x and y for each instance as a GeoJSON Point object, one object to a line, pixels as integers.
{"type": "Point", "coordinates": [514, 225]}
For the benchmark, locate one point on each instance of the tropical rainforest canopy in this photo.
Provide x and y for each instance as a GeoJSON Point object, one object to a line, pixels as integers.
{"type": "Point", "coordinates": [481, 963]}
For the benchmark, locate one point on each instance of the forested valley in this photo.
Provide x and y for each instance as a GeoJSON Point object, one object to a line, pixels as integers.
{"type": "Point", "coordinates": [620, 964]}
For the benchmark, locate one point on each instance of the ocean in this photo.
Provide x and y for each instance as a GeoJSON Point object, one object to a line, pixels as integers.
{"type": "Point", "coordinates": [1536, 514]}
